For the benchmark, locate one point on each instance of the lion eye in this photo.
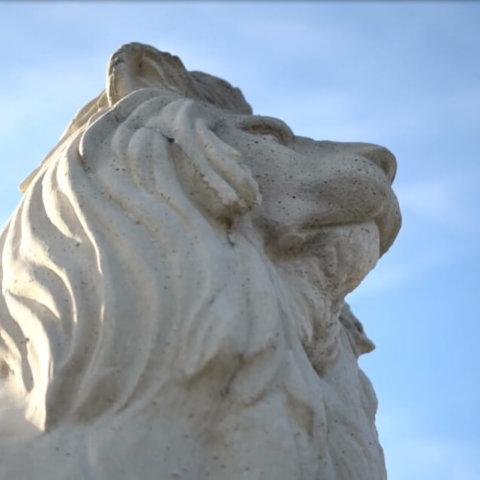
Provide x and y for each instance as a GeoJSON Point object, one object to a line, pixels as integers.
{"type": "Point", "coordinates": [271, 136]}
{"type": "Point", "coordinates": [268, 126]}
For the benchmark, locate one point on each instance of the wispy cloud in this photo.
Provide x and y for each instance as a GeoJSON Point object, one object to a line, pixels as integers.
{"type": "Point", "coordinates": [412, 452]}
{"type": "Point", "coordinates": [433, 458]}
{"type": "Point", "coordinates": [402, 270]}
{"type": "Point", "coordinates": [440, 227]}
{"type": "Point", "coordinates": [39, 95]}
{"type": "Point", "coordinates": [446, 201]}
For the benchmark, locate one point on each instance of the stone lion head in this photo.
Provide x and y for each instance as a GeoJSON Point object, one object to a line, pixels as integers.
{"type": "Point", "coordinates": [176, 270]}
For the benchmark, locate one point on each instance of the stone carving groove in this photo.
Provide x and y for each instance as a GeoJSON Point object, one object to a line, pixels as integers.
{"type": "Point", "coordinates": [173, 286]}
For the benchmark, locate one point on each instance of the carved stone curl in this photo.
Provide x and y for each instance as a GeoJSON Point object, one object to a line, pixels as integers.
{"type": "Point", "coordinates": [173, 287]}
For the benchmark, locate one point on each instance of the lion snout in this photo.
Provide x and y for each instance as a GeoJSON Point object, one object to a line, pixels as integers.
{"type": "Point", "coordinates": [382, 157]}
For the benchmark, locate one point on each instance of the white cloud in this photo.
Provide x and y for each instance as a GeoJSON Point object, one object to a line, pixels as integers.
{"type": "Point", "coordinates": [444, 201]}
{"type": "Point", "coordinates": [298, 38]}
{"type": "Point", "coordinates": [46, 94]}
{"type": "Point", "coordinates": [412, 453]}
{"type": "Point", "coordinates": [401, 270]}
{"type": "Point", "coordinates": [440, 225]}
{"type": "Point", "coordinates": [426, 457]}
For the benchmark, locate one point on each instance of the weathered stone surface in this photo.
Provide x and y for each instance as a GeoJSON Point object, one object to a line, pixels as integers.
{"type": "Point", "coordinates": [173, 287]}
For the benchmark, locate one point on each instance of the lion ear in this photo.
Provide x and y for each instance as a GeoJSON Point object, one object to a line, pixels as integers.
{"type": "Point", "coordinates": [211, 168]}
{"type": "Point", "coordinates": [136, 66]}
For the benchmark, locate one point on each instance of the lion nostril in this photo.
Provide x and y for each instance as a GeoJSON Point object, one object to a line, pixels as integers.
{"type": "Point", "coordinates": [383, 158]}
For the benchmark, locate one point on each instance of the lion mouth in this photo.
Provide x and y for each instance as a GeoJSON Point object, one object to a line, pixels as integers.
{"type": "Point", "coordinates": [364, 197]}
{"type": "Point", "coordinates": [342, 254]}
{"type": "Point", "coordinates": [387, 222]}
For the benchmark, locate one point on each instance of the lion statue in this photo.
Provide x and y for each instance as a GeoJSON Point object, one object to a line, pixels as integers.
{"type": "Point", "coordinates": [173, 286]}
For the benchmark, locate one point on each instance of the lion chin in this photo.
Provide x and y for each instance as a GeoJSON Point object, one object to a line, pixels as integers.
{"type": "Point", "coordinates": [173, 285]}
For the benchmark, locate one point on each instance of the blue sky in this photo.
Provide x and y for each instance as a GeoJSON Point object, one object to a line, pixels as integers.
{"type": "Point", "coordinates": [404, 75]}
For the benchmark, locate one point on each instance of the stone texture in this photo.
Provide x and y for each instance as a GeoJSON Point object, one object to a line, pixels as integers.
{"type": "Point", "coordinates": [173, 287]}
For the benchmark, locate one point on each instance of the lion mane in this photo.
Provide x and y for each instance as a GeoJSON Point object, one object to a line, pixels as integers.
{"type": "Point", "coordinates": [124, 286]}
